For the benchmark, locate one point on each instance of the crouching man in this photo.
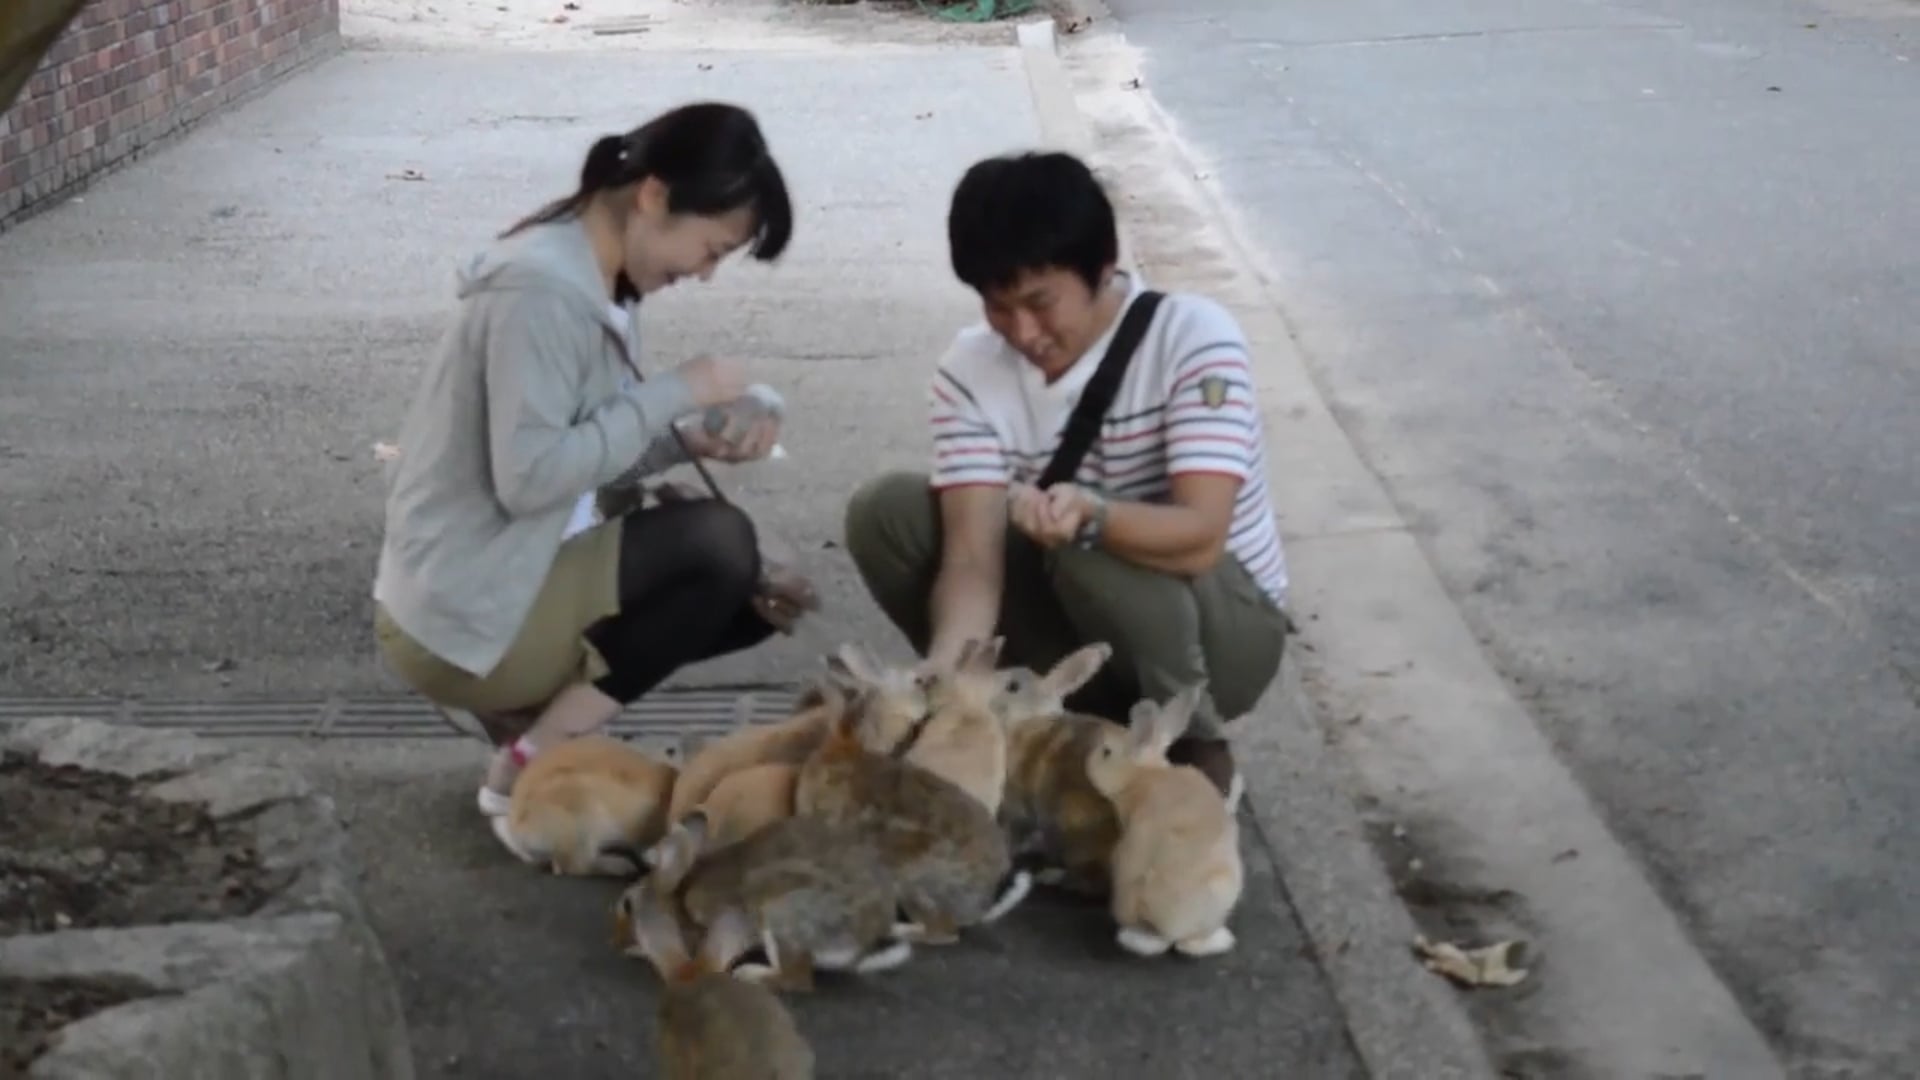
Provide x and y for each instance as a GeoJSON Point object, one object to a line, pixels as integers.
{"type": "Point", "coordinates": [1098, 470]}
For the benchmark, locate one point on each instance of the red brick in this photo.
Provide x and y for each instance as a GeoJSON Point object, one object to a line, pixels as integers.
{"type": "Point", "coordinates": [126, 72]}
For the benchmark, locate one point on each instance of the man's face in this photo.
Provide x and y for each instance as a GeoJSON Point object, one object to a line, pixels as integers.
{"type": "Point", "coordinates": [1050, 316]}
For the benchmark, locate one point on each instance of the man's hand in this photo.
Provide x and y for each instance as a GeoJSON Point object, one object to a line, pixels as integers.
{"type": "Point", "coordinates": [1051, 517]}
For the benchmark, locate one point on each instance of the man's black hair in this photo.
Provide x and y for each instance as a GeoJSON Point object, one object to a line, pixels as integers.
{"type": "Point", "coordinates": [1018, 213]}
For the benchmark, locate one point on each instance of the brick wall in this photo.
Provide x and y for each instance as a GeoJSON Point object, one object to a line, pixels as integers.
{"type": "Point", "coordinates": [127, 73]}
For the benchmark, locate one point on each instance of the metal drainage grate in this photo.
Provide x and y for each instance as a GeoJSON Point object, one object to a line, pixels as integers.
{"type": "Point", "coordinates": [670, 716]}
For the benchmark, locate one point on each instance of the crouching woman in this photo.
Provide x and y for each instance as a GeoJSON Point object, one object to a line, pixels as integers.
{"type": "Point", "coordinates": [488, 600]}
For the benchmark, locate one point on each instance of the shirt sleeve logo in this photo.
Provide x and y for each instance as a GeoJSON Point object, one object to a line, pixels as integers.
{"type": "Point", "coordinates": [1213, 391]}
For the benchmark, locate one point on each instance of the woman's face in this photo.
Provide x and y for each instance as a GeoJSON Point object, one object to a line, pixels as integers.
{"type": "Point", "coordinates": [662, 247]}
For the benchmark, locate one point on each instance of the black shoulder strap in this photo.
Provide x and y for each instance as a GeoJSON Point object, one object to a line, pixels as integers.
{"type": "Point", "coordinates": [1083, 425]}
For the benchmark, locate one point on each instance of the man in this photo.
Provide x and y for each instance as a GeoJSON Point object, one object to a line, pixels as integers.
{"type": "Point", "coordinates": [1162, 542]}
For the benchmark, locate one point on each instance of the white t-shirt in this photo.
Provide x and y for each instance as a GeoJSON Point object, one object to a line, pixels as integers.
{"type": "Point", "coordinates": [1186, 405]}
{"type": "Point", "coordinates": [586, 512]}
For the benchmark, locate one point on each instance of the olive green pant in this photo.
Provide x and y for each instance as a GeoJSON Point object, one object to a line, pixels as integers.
{"type": "Point", "coordinates": [1167, 632]}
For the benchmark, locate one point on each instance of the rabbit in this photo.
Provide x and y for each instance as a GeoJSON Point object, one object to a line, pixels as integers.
{"type": "Point", "coordinates": [949, 860]}
{"type": "Point", "coordinates": [895, 698]}
{"type": "Point", "coordinates": [817, 896]}
{"type": "Point", "coordinates": [710, 1026]}
{"type": "Point", "coordinates": [963, 739]}
{"type": "Point", "coordinates": [583, 806]}
{"type": "Point", "coordinates": [787, 742]}
{"type": "Point", "coordinates": [1177, 874]}
{"type": "Point", "coordinates": [1053, 815]}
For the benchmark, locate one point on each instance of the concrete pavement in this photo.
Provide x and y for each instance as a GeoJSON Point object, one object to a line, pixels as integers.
{"type": "Point", "coordinates": [199, 355]}
{"type": "Point", "coordinates": [1617, 302]}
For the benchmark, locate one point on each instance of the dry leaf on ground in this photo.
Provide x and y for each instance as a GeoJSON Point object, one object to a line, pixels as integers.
{"type": "Point", "coordinates": [1489, 965]}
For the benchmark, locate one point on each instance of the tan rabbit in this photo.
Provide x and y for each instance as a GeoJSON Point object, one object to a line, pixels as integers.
{"type": "Point", "coordinates": [817, 896]}
{"type": "Point", "coordinates": [787, 742]}
{"type": "Point", "coordinates": [948, 858]}
{"type": "Point", "coordinates": [710, 1026]}
{"type": "Point", "coordinates": [963, 738]}
{"type": "Point", "coordinates": [1053, 815]}
{"type": "Point", "coordinates": [1177, 874]}
{"type": "Point", "coordinates": [585, 806]}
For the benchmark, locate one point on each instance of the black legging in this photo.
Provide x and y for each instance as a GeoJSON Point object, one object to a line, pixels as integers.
{"type": "Point", "coordinates": [687, 577]}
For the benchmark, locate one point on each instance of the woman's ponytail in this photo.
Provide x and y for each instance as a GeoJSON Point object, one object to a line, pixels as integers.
{"type": "Point", "coordinates": [610, 163]}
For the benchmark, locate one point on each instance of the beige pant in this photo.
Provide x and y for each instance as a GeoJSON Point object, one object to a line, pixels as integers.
{"type": "Point", "coordinates": [551, 651]}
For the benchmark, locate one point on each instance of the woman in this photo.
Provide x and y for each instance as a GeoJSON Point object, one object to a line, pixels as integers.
{"type": "Point", "coordinates": [485, 601]}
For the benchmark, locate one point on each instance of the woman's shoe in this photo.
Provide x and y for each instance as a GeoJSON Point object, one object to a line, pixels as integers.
{"type": "Point", "coordinates": [492, 803]}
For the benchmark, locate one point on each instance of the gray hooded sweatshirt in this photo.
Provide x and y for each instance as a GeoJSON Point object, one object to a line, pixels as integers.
{"type": "Point", "coordinates": [519, 413]}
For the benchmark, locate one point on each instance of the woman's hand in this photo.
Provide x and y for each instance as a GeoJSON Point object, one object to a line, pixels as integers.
{"type": "Point", "coordinates": [736, 442]}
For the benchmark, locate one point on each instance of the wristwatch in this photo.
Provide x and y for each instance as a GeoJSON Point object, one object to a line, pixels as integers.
{"type": "Point", "coordinates": [1087, 537]}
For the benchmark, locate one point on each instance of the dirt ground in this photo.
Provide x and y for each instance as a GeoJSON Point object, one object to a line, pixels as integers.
{"type": "Point", "coordinates": [82, 849]}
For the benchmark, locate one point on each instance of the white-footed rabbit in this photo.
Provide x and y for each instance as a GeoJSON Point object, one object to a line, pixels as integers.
{"type": "Point", "coordinates": [585, 806]}
{"type": "Point", "coordinates": [1177, 873]}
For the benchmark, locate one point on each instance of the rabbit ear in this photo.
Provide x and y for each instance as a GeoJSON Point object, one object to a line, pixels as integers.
{"type": "Point", "coordinates": [1155, 727]}
{"type": "Point", "coordinates": [1076, 669]}
{"type": "Point", "coordinates": [657, 932]}
{"type": "Point", "coordinates": [1171, 719]}
{"type": "Point", "coordinates": [986, 658]}
{"type": "Point", "coordinates": [676, 853]}
{"type": "Point", "coordinates": [1140, 721]}
{"type": "Point", "coordinates": [860, 664]}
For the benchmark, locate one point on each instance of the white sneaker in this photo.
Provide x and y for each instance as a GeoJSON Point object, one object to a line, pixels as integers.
{"type": "Point", "coordinates": [492, 803]}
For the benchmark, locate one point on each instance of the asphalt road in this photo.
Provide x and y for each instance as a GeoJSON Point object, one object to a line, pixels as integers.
{"type": "Point", "coordinates": [1622, 301]}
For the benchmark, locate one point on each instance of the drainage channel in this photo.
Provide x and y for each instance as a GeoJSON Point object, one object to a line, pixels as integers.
{"type": "Point", "coordinates": [670, 716]}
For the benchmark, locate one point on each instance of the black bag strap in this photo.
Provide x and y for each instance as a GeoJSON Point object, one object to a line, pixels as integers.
{"type": "Point", "coordinates": [1083, 425]}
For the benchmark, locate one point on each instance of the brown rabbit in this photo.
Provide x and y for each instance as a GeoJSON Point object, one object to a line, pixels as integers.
{"type": "Point", "coordinates": [963, 739]}
{"type": "Point", "coordinates": [1177, 874]}
{"type": "Point", "coordinates": [817, 896]}
{"type": "Point", "coordinates": [1052, 813]}
{"type": "Point", "coordinates": [710, 1026]}
{"type": "Point", "coordinates": [585, 805]}
{"type": "Point", "coordinates": [949, 860]}
{"type": "Point", "coordinates": [787, 742]}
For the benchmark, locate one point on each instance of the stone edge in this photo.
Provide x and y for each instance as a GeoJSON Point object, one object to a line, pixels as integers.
{"type": "Point", "coordinates": [303, 983]}
{"type": "Point", "coordinates": [1403, 1021]}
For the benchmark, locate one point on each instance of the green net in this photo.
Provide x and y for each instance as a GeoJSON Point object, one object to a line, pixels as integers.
{"type": "Point", "coordinates": [972, 11]}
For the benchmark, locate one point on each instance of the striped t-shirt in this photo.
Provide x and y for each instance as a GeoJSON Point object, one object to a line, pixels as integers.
{"type": "Point", "coordinates": [1186, 405]}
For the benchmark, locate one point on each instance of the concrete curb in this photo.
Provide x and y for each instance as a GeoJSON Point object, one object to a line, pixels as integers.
{"type": "Point", "coordinates": [1403, 1021]}
{"type": "Point", "coordinates": [1513, 844]}
{"type": "Point", "coordinates": [299, 989]}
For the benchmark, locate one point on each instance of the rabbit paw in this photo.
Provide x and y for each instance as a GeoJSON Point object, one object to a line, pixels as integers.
{"type": "Point", "coordinates": [755, 973]}
{"type": "Point", "coordinates": [1141, 943]}
{"type": "Point", "coordinates": [885, 958]}
{"type": "Point", "coordinates": [1219, 942]}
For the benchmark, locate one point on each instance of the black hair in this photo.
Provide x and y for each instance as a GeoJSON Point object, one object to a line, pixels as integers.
{"type": "Point", "coordinates": [713, 160]}
{"type": "Point", "coordinates": [1018, 213]}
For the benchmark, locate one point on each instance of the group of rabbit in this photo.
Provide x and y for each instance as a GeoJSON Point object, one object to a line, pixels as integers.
{"type": "Point", "coordinates": [895, 807]}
